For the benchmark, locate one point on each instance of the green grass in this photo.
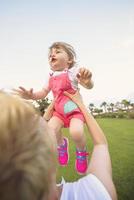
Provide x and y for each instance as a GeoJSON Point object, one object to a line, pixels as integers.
{"type": "Point", "coordinates": [120, 136]}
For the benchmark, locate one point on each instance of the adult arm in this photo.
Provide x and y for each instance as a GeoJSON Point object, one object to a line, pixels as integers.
{"type": "Point", "coordinates": [100, 162]}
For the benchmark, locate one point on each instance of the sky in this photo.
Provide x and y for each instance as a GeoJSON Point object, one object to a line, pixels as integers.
{"type": "Point", "coordinates": [102, 33]}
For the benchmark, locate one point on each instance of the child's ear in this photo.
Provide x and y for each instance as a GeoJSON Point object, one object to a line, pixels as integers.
{"type": "Point", "coordinates": [70, 61]}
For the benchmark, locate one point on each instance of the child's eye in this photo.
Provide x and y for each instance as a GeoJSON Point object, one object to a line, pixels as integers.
{"type": "Point", "coordinates": [58, 51]}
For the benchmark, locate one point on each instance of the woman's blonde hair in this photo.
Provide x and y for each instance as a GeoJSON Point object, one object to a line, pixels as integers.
{"type": "Point", "coordinates": [67, 48]}
{"type": "Point", "coordinates": [26, 154]}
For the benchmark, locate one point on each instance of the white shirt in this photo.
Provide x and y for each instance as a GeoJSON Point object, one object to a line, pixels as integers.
{"type": "Point", "coordinates": [86, 188]}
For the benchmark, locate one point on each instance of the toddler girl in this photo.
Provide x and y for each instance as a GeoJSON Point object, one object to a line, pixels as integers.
{"type": "Point", "coordinates": [65, 76]}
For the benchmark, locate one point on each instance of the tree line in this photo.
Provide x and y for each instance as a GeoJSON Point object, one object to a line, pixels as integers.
{"type": "Point", "coordinates": [122, 109]}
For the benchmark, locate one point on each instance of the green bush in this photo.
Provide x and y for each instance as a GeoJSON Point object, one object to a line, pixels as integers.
{"type": "Point", "coordinates": [121, 115]}
{"type": "Point", "coordinates": [108, 115]}
{"type": "Point", "coordinates": [131, 115]}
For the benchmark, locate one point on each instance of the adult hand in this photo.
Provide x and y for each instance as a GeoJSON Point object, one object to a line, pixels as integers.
{"type": "Point", "coordinates": [75, 97]}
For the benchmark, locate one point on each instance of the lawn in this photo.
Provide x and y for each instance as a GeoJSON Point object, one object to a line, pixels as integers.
{"type": "Point", "coordinates": [120, 136]}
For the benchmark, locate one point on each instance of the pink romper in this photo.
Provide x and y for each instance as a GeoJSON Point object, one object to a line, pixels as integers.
{"type": "Point", "coordinates": [65, 109]}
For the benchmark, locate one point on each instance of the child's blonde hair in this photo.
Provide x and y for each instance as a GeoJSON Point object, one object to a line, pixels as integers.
{"type": "Point", "coordinates": [26, 155]}
{"type": "Point", "coordinates": [67, 48]}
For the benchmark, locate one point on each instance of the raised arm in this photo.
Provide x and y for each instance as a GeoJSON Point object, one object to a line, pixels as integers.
{"type": "Point", "coordinates": [100, 163]}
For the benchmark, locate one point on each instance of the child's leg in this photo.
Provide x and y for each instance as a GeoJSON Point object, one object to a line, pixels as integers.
{"type": "Point", "coordinates": [77, 133]}
{"type": "Point", "coordinates": [56, 124]}
{"type": "Point", "coordinates": [78, 136]}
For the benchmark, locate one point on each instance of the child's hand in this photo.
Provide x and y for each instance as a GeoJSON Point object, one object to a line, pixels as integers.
{"type": "Point", "coordinates": [84, 78]}
{"type": "Point", "coordinates": [26, 94]}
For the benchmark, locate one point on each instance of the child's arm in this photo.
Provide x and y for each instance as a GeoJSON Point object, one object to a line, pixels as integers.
{"type": "Point", "coordinates": [29, 94]}
{"type": "Point", "coordinates": [84, 78]}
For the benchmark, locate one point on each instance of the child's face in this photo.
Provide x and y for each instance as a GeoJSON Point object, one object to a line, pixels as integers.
{"type": "Point", "coordinates": [59, 59]}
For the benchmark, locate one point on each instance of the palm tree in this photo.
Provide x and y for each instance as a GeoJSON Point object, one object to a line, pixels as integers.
{"type": "Point", "coordinates": [112, 107]}
{"type": "Point", "coordinates": [104, 104]}
{"type": "Point", "coordinates": [126, 104]}
{"type": "Point", "coordinates": [91, 107]}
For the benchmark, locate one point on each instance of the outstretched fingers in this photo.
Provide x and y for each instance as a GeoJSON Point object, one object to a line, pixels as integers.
{"type": "Point", "coordinates": [22, 88]}
{"type": "Point", "coordinates": [85, 73]}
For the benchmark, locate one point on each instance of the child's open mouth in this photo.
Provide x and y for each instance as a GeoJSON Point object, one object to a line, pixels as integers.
{"type": "Point", "coordinates": [53, 60]}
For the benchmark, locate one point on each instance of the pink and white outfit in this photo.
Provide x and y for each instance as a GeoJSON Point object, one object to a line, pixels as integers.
{"type": "Point", "coordinates": [65, 109]}
{"type": "Point", "coordinates": [60, 81]}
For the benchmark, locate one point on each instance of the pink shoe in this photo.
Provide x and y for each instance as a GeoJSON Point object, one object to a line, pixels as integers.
{"type": "Point", "coordinates": [63, 155]}
{"type": "Point", "coordinates": [81, 163]}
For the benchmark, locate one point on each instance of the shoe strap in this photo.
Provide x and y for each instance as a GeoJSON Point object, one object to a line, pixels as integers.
{"type": "Point", "coordinates": [81, 155]}
{"type": "Point", "coordinates": [62, 150]}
